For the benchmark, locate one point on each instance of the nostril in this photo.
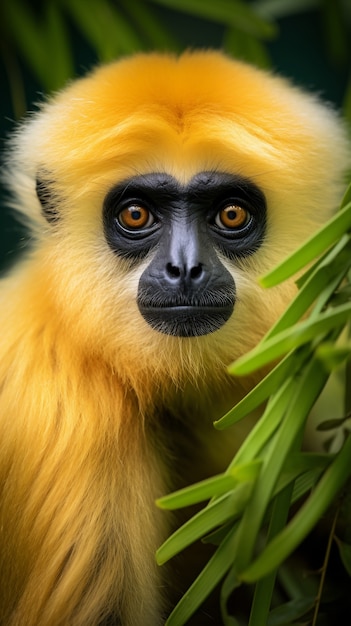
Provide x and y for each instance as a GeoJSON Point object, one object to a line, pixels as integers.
{"type": "Point", "coordinates": [196, 271]}
{"type": "Point", "coordinates": [173, 270]}
{"type": "Point", "coordinates": [176, 272]}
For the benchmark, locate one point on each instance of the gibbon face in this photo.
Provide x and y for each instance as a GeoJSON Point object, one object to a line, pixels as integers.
{"type": "Point", "coordinates": [185, 290]}
{"type": "Point", "coordinates": [166, 186]}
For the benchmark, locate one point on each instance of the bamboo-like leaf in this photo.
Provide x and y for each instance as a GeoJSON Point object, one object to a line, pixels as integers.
{"type": "Point", "coordinates": [306, 518]}
{"type": "Point", "coordinates": [210, 576]}
{"type": "Point", "coordinates": [266, 426]}
{"type": "Point", "coordinates": [204, 490]}
{"type": "Point", "coordinates": [216, 513]}
{"type": "Point", "coordinates": [306, 389]}
{"type": "Point", "coordinates": [327, 275]}
{"type": "Point", "coordinates": [210, 487]}
{"type": "Point", "coordinates": [313, 247]}
{"type": "Point", "coordinates": [105, 27]}
{"type": "Point", "coordinates": [298, 335]}
{"type": "Point", "coordinates": [332, 356]}
{"type": "Point", "coordinates": [263, 390]}
{"type": "Point", "coordinates": [290, 612]}
{"type": "Point", "coordinates": [235, 13]}
{"type": "Point", "coordinates": [264, 588]}
{"type": "Point", "coordinates": [43, 42]}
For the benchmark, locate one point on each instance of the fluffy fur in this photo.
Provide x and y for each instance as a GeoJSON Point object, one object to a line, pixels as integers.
{"type": "Point", "coordinates": [94, 404]}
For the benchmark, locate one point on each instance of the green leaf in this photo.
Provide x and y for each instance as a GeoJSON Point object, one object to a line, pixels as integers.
{"type": "Point", "coordinates": [280, 344]}
{"type": "Point", "coordinates": [263, 431]}
{"type": "Point", "coordinates": [265, 388]}
{"type": "Point", "coordinates": [326, 276]}
{"type": "Point", "coordinates": [306, 518]}
{"type": "Point", "coordinates": [105, 27]}
{"type": "Point", "coordinates": [265, 587]}
{"type": "Point", "coordinates": [216, 513]}
{"type": "Point", "coordinates": [307, 387]}
{"type": "Point", "coordinates": [210, 576]}
{"type": "Point", "coordinates": [332, 356]}
{"type": "Point", "coordinates": [43, 42]}
{"type": "Point", "coordinates": [204, 490]}
{"type": "Point", "coordinates": [291, 611]}
{"type": "Point", "coordinates": [313, 247]}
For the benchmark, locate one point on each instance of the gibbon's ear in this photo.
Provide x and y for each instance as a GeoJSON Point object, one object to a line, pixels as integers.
{"type": "Point", "coordinates": [46, 199]}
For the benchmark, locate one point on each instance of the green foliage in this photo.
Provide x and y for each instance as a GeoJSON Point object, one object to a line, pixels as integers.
{"type": "Point", "coordinates": [273, 494]}
{"type": "Point", "coordinates": [42, 33]}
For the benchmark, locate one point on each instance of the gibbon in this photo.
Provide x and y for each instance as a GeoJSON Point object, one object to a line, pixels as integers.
{"type": "Point", "coordinates": [156, 189]}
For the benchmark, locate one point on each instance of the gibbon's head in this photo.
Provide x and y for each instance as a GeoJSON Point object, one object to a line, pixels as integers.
{"type": "Point", "coordinates": [159, 189]}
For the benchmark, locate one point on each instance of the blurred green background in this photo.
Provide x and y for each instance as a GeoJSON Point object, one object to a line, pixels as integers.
{"type": "Point", "coordinates": [43, 43]}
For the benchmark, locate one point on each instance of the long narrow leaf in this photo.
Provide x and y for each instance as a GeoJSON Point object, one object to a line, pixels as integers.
{"type": "Point", "coordinates": [265, 388]}
{"type": "Point", "coordinates": [204, 490]}
{"type": "Point", "coordinates": [210, 576]}
{"type": "Point", "coordinates": [307, 389]}
{"type": "Point", "coordinates": [291, 338]}
{"type": "Point", "coordinates": [313, 247]}
{"type": "Point", "coordinates": [327, 275]}
{"type": "Point", "coordinates": [218, 512]}
{"type": "Point", "coordinates": [306, 518]}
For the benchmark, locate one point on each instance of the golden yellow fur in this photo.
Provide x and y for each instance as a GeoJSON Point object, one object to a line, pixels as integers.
{"type": "Point", "coordinates": [92, 397]}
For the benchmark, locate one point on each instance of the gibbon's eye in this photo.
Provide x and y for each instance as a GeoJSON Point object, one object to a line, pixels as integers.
{"type": "Point", "coordinates": [232, 216]}
{"type": "Point", "coordinates": [135, 217]}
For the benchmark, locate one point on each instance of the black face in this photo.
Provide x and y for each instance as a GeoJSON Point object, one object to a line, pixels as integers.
{"type": "Point", "coordinates": [185, 290]}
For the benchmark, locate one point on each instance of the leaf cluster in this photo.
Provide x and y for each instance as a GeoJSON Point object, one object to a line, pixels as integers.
{"type": "Point", "coordinates": [42, 32]}
{"type": "Point", "coordinates": [273, 493]}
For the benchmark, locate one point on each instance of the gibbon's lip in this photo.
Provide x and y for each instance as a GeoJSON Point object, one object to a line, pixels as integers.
{"type": "Point", "coordinates": [186, 320]}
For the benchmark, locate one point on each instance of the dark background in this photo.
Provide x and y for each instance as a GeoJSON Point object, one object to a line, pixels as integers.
{"type": "Point", "coordinates": [299, 51]}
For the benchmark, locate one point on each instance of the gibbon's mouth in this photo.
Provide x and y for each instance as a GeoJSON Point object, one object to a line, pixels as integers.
{"type": "Point", "coordinates": [186, 320]}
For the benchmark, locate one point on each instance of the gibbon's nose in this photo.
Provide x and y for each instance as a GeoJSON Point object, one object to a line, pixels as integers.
{"type": "Point", "coordinates": [185, 256]}
{"type": "Point", "coordinates": [181, 273]}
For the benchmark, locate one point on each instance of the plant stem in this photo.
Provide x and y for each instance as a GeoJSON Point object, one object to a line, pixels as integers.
{"type": "Point", "coordinates": [324, 568]}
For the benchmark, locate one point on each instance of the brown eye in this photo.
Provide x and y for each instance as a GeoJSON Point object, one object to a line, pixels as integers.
{"type": "Point", "coordinates": [135, 217]}
{"type": "Point", "coordinates": [232, 216]}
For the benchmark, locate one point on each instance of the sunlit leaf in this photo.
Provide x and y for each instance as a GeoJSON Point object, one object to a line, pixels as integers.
{"type": "Point", "coordinates": [313, 247]}
{"type": "Point", "coordinates": [204, 490]}
{"type": "Point", "coordinates": [280, 344]}
{"type": "Point", "coordinates": [305, 519]}
{"type": "Point", "coordinates": [307, 388]}
{"type": "Point", "coordinates": [261, 392]}
{"type": "Point", "coordinates": [216, 513]}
